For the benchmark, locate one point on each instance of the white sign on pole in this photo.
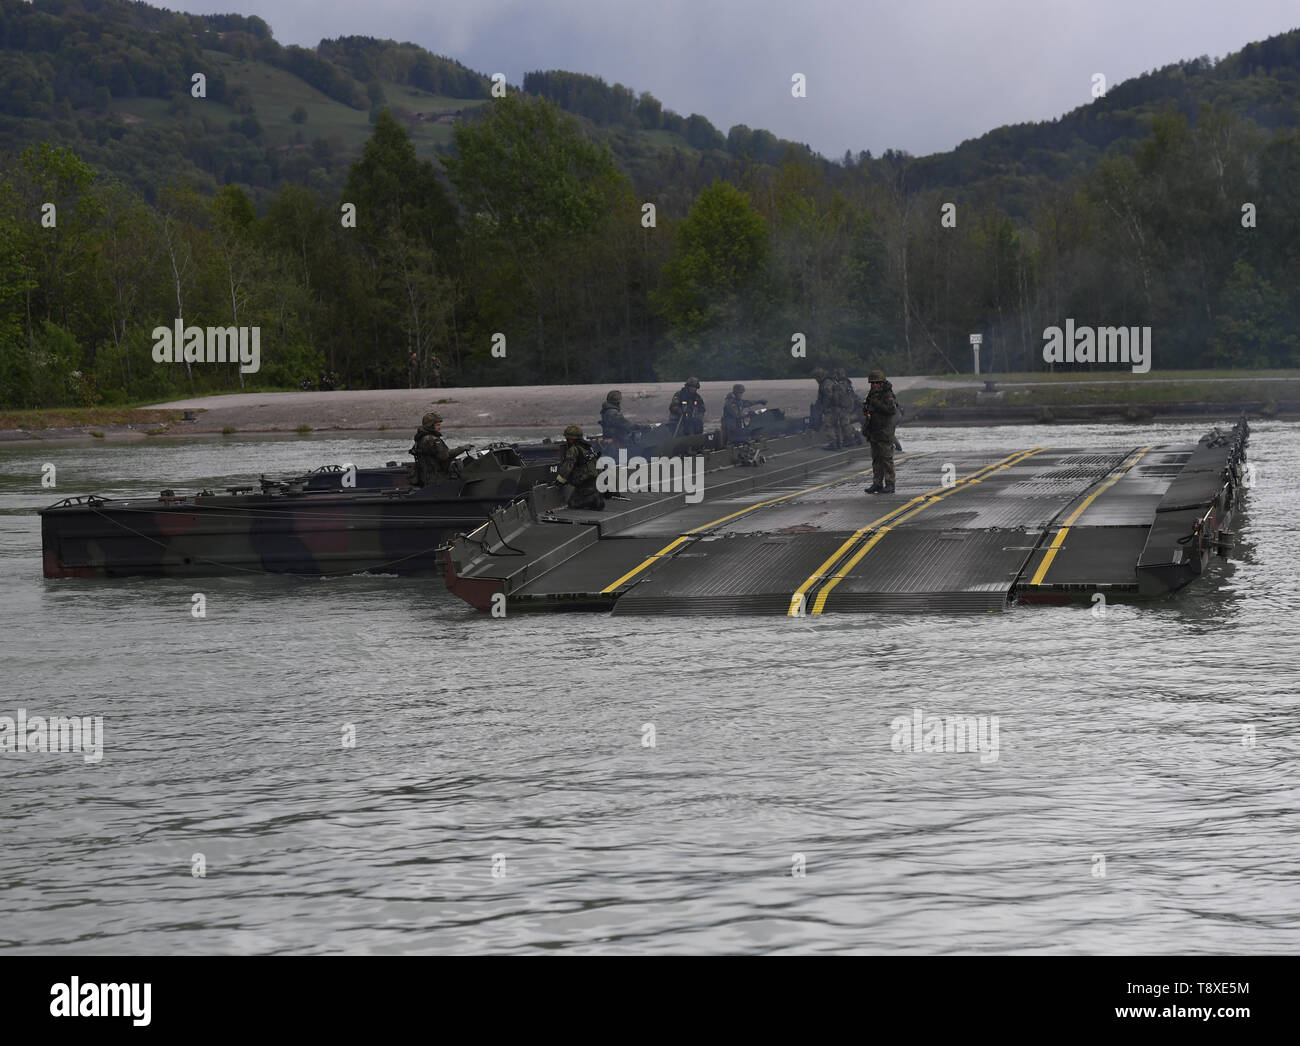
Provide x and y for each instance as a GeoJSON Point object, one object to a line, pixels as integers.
{"type": "Point", "coordinates": [975, 340]}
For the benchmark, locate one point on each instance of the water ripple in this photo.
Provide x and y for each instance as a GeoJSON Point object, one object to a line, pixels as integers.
{"type": "Point", "coordinates": [500, 795]}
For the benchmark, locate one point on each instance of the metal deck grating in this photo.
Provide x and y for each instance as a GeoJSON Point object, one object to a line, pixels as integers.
{"type": "Point", "coordinates": [1091, 557]}
{"type": "Point", "coordinates": [961, 568]}
{"type": "Point", "coordinates": [596, 568]}
{"type": "Point", "coordinates": [746, 568]}
{"type": "Point", "coordinates": [966, 551]}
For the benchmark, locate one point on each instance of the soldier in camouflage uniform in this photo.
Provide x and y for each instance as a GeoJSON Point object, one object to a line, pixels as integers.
{"type": "Point", "coordinates": [846, 400]}
{"type": "Point", "coordinates": [842, 378]}
{"type": "Point", "coordinates": [687, 409]}
{"type": "Point", "coordinates": [733, 415]}
{"type": "Point", "coordinates": [578, 471]}
{"type": "Point", "coordinates": [854, 412]}
{"type": "Point", "coordinates": [880, 414]}
{"type": "Point", "coordinates": [828, 400]}
{"type": "Point", "coordinates": [432, 456]}
{"type": "Point", "coordinates": [613, 425]}
{"type": "Point", "coordinates": [817, 410]}
{"type": "Point", "coordinates": [837, 405]}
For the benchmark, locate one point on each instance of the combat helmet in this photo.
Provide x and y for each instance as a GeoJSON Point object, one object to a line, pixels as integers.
{"type": "Point", "coordinates": [615, 396]}
{"type": "Point", "coordinates": [819, 373]}
{"type": "Point", "coordinates": [738, 388]}
{"type": "Point", "coordinates": [693, 382]}
{"type": "Point", "coordinates": [573, 432]}
{"type": "Point", "coordinates": [876, 375]}
{"type": "Point", "coordinates": [430, 420]}
{"type": "Point", "coordinates": [840, 374]}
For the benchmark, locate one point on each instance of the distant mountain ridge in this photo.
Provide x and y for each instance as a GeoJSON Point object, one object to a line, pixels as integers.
{"type": "Point", "coordinates": [1261, 82]}
{"type": "Point", "coordinates": [111, 78]}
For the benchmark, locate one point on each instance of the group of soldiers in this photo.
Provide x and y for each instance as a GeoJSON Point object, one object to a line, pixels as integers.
{"type": "Point", "coordinates": [837, 403]}
{"type": "Point", "coordinates": [433, 461]}
{"type": "Point", "coordinates": [686, 409]}
{"type": "Point", "coordinates": [434, 372]}
{"type": "Point", "coordinates": [836, 406]}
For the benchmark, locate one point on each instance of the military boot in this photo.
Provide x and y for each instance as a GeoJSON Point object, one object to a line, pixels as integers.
{"type": "Point", "coordinates": [888, 488]}
{"type": "Point", "coordinates": [875, 488]}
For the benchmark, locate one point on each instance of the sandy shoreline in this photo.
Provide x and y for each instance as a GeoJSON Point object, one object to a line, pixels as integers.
{"type": "Point", "coordinates": [485, 407]}
{"type": "Point", "coordinates": [549, 408]}
{"type": "Point", "coordinates": [348, 412]}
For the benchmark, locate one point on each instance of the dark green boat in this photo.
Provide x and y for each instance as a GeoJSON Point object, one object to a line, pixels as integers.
{"type": "Point", "coordinates": [331, 521]}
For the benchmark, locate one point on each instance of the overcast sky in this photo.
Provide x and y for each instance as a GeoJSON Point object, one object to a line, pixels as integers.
{"type": "Point", "coordinates": [920, 75]}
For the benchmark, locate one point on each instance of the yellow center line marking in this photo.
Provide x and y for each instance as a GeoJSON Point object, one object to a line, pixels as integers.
{"type": "Point", "coordinates": [667, 549]}
{"type": "Point", "coordinates": [1059, 540]}
{"type": "Point", "coordinates": [797, 599]}
{"type": "Point", "coordinates": [926, 500]}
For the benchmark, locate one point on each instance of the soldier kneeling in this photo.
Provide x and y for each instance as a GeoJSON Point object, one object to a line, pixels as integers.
{"type": "Point", "coordinates": [578, 471]}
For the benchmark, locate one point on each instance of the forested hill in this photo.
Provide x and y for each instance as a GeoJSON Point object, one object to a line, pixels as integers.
{"type": "Point", "coordinates": [597, 234]}
{"type": "Point", "coordinates": [112, 79]}
{"type": "Point", "coordinates": [1260, 83]}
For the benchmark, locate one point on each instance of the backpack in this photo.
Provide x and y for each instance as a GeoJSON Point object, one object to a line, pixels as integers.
{"type": "Point", "coordinates": [587, 458]}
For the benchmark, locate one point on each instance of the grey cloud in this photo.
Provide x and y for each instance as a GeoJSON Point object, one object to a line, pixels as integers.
{"type": "Point", "coordinates": [921, 76]}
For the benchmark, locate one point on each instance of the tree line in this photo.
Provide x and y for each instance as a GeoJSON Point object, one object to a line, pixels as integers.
{"type": "Point", "coordinates": [529, 239]}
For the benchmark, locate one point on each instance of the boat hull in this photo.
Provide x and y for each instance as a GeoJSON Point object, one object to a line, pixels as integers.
{"type": "Point", "coordinates": [200, 537]}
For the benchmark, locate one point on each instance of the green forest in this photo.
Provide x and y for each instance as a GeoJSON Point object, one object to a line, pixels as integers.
{"type": "Point", "coordinates": [372, 207]}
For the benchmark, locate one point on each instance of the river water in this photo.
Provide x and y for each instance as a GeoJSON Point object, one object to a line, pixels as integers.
{"type": "Point", "coordinates": [501, 792]}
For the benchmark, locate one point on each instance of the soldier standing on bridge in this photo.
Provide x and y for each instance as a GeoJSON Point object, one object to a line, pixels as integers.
{"type": "Point", "coordinates": [880, 412]}
{"type": "Point", "coordinates": [827, 397]}
{"type": "Point", "coordinates": [842, 378]}
{"type": "Point", "coordinates": [837, 403]}
{"type": "Point", "coordinates": [817, 411]}
{"type": "Point", "coordinates": [687, 407]}
{"type": "Point", "coordinates": [847, 398]}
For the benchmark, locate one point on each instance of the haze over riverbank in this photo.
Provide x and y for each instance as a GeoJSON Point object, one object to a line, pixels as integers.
{"type": "Point", "coordinates": [952, 400]}
{"type": "Point", "coordinates": [379, 410]}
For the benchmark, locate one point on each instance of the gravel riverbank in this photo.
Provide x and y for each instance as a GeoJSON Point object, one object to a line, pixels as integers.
{"type": "Point", "coordinates": [347, 412]}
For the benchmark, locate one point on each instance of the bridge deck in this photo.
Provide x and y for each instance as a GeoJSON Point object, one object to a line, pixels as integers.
{"type": "Point", "coordinates": [964, 531]}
